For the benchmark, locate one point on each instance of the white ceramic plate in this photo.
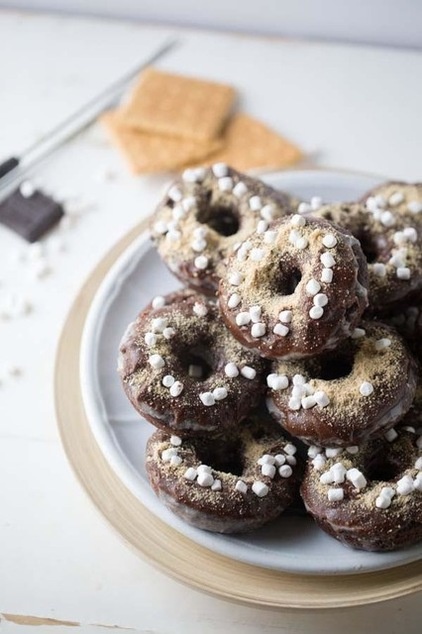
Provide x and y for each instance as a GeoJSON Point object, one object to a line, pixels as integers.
{"type": "Point", "coordinates": [290, 544]}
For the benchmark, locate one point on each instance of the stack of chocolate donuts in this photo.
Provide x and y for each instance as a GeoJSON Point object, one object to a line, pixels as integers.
{"type": "Point", "coordinates": [282, 367]}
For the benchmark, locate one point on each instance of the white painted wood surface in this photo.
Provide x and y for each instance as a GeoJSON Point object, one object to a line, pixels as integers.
{"type": "Point", "coordinates": [356, 107]}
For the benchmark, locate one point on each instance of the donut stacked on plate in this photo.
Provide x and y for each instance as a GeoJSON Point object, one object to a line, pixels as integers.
{"type": "Point", "coordinates": [283, 306]}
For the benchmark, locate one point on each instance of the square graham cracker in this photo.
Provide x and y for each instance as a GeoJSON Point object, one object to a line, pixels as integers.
{"type": "Point", "coordinates": [248, 144]}
{"type": "Point", "coordinates": [179, 106]}
{"type": "Point", "coordinates": [145, 152]}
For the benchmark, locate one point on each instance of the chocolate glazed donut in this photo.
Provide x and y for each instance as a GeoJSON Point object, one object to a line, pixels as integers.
{"type": "Point", "coordinates": [205, 214]}
{"type": "Point", "coordinates": [370, 497]}
{"type": "Point", "coordinates": [346, 396]}
{"type": "Point", "coordinates": [392, 243]}
{"type": "Point", "coordinates": [296, 289]}
{"type": "Point", "coordinates": [227, 485]}
{"type": "Point", "coordinates": [183, 371]}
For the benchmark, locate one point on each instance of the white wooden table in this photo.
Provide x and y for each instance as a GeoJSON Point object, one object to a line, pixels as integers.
{"type": "Point", "coordinates": [352, 107]}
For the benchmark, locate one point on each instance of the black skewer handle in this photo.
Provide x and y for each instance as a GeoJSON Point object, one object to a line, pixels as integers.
{"type": "Point", "coordinates": [8, 165]}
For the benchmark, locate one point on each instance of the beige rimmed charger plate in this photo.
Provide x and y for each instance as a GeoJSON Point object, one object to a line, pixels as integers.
{"type": "Point", "coordinates": [162, 545]}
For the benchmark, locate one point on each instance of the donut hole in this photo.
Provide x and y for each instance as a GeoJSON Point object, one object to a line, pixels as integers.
{"type": "Point", "coordinates": [382, 468]}
{"type": "Point", "coordinates": [332, 366]}
{"type": "Point", "coordinates": [197, 362]}
{"type": "Point", "coordinates": [369, 246]}
{"type": "Point", "coordinates": [225, 457]}
{"type": "Point", "coordinates": [287, 281]}
{"type": "Point", "coordinates": [221, 218]}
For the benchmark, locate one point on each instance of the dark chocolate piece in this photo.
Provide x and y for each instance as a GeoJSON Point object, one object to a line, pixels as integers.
{"type": "Point", "coordinates": [30, 217]}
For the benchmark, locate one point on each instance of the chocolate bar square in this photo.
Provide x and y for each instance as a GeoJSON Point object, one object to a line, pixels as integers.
{"type": "Point", "coordinates": [31, 217]}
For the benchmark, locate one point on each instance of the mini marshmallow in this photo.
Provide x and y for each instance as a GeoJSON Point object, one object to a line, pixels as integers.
{"type": "Point", "coordinates": [231, 370]}
{"type": "Point", "coordinates": [316, 312]}
{"type": "Point", "coordinates": [290, 449]}
{"type": "Point", "coordinates": [243, 318]}
{"type": "Point", "coordinates": [297, 220]}
{"type": "Point", "coordinates": [270, 471]}
{"type": "Point", "coordinates": [234, 300]}
{"type": "Point", "coordinates": [358, 333]}
{"type": "Point", "coordinates": [329, 241]}
{"type": "Point", "coordinates": [158, 324]}
{"type": "Point", "coordinates": [308, 401]}
{"type": "Point", "coordinates": [301, 243]}
{"type": "Point", "coordinates": [298, 379]}
{"type": "Point", "coordinates": [240, 189]}
{"type": "Point", "coordinates": [258, 330]}
{"type": "Point", "coordinates": [199, 245]}
{"type": "Point", "coordinates": [150, 339]}
{"type": "Point", "coordinates": [201, 262]}
{"type": "Point", "coordinates": [205, 479]}
{"type": "Point", "coordinates": [262, 226]}
{"type": "Point", "coordinates": [366, 388]}
{"type": "Point", "coordinates": [158, 301]}
{"type": "Point", "coordinates": [248, 372]}
{"type": "Point", "coordinates": [332, 452]}
{"type": "Point", "coordinates": [379, 269]}
{"type": "Point", "coordinates": [403, 273]}
{"type": "Point", "coordinates": [277, 382]}
{"type": "Point", "coordinates": [168, 333]}
{"type": "Point", "coordinates": [200, 309]}
{"type": "Point", "coordinates": [176, 389]}
{"type": "Point", "coordinates": [267, 212]}
{"type": "Point", "coordinates": [207, 398]}
{"type": "Point", "coordinates": [260, 488]}
{"type": "Point", "coordinates": [216, 485]}
{"type": "Point", "coordinates": [391, 435]}
{"type": "Point", "coordinates": [387, 219]}
{"type": "Point", "coordinates": [395, 199]}
{"type": "Point", "coordinates": [313, 287]}
{"type": "Point", "coordinates": [266, 459]}
{"type": "Point", "coordinates": [321, 398]}
{"type": "Point", "coordinates": [236, 279]}
{"type": "Point", "coordinates": [279, 460]}
{"type": "Point", "coordinates": [405, 485]}
{"type": "Point", "coordinates": [175, 461]}
{"type": "Point", "coordinates": [219, 393]}
{"type": "Point", "coordinates": [294, 404]}
{"type": "Point", "coordinates": [316, 202]}
{"type": "Point", "coordinates": [255, 313]}
{"type": "Point", "coordinates": [220, 170]}
{"type": "Point", "coordinates": [357, 478]}
{"type": "Point", "coordinates": [281, 330]}
{"type": "Point", "coordinates": [168, 380]}
{"type": "Point", "coordinates": [194, 175]}
{"type": "Point", "coordinates": [285, 471]}
{"type": "Point", "coordinates": [156, 361]}
{"type": "Point", "coordinates": [175, 193]}
{"type": "Point", "coordinates": [176, 441]}
{"type": "Point", "coordinates": [313, 451]}
{"type": "Point", "coordinates": [285, 316]}
{"type": "Point", "coordinates": [414, 206]}
{"type": "Point", "coordinates": [190, 474]}
{"type": "Point", "coordinates": [241, 487]}
{"type": "Point", "coordinates": [319, 462]}
{"type": "Point", "coordinates": [255, 203]}
{"type": "Point", "coordinates": [26, 189]}
{"type": "Point", "coordinates": [335, 495]}
{"type": "Point", "coordinates": [327, 260]}
{"type": "Point", "coordinates": [167, 454]}
{"type": "Point", "coordinates": [353, 449]}
{"type": "Point", "coordinates": [327, 276]}
{"type": "Point", "coordinates": [304, 208]}
{"type": "Point", "coordinates": [225, 184]}
{"type": "Point", "coordinates": [200, 232]}
{"type": "Point", "coordinates": [320, 299]}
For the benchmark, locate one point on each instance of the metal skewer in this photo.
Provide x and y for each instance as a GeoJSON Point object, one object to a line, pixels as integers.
{"type": "Point", "coordinates": [11, 175]}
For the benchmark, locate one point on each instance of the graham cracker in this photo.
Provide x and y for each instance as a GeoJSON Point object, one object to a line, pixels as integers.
{"type": "Point", "coordinates": [248, 143]}
{"type": "Point", "coordinates": [179, 106]}
{"type": "Point", "coordinates": [146, 152]}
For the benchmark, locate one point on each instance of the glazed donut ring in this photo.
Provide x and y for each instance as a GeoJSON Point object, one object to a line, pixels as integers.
{"type": "Point", "coordinates": [344, 397]}
{"type": "Point", "coordinates": [183, 371]}
{"type": "Point", "coordinates": [397, 197]}
{"type": "Point", "coordinates": [295, 290]}
{"type": "Point", "coordinates": [369, 498]}
{"type": "Point", "coordinates": [227, 485]}
{"type": "Point", "coordinates": [204, 215]}
{"type": "Point", "coordinates": [392, 243]}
